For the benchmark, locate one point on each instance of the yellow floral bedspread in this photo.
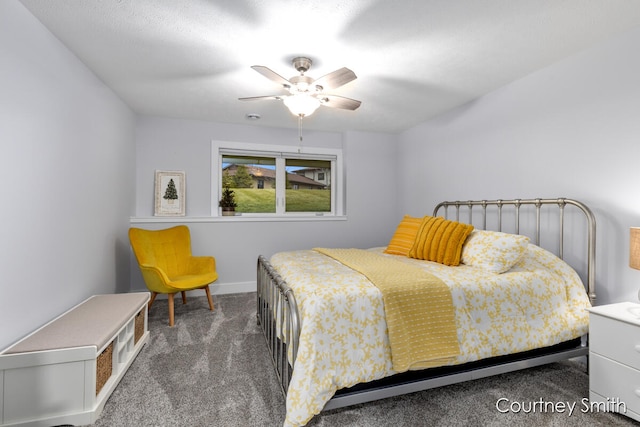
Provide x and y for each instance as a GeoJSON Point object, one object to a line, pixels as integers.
{"type": "Point", "coordinates": [417, 307]}
{"type": "Point", "coordinates": [343, 341]}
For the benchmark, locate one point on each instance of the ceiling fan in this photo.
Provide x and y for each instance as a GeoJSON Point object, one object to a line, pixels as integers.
{"type": "Point", "coordinates": [305, 93]}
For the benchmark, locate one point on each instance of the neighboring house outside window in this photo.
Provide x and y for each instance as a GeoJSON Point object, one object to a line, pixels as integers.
{"type": "Point", "coordinates": [321, 175]}
{"type": "Point", "coordinates": [261, 175]}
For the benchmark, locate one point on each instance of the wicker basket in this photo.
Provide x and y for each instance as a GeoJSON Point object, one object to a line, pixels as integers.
{"type": "Point", "coordinates": [139, 327]}
{"type": "Point", "coordinates": [104, 366]}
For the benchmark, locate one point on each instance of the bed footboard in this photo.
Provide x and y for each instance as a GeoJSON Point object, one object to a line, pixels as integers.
{"type": "Point", "coordinates": [277, 314]}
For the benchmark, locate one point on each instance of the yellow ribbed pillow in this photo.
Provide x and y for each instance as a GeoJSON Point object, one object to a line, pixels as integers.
{"type": "Point", "coordinates": [440, 240]}
{"type": "Point", "coordinates": [405, 234]}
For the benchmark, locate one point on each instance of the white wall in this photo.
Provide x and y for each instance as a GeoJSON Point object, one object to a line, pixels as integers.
{"type": "Point", "coordinates": [570, 130]}
{"type": "Point", "coordinates": [66, 170]}
{"type": "Point", "coordinates": [168, 144]}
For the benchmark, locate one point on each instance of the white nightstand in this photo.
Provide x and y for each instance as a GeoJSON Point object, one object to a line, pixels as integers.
{"type": "Point", "coordinates": [614, 359]}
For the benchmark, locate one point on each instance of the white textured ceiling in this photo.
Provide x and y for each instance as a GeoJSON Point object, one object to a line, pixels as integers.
{"type": "Point", "coordinates": [414, 58]}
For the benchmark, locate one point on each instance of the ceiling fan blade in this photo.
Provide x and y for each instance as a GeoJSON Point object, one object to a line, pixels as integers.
{"type": "Point", "coordinates": [336, 78]}
{"type": "Point", "coordinates": [258, 98]}
{"type": "Point", "coordinates": [272, 75]}
{"type": "Point", "coordinates": [335, 101]}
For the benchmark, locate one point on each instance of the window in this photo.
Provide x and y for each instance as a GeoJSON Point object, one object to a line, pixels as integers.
{"type": "Point", "coordinates": [272, 180]}
{"type": "Point", "coordinates": [253, 181]}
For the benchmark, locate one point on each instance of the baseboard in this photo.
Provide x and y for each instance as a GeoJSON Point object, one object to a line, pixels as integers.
{"type": "Point", "coordinates": [232, 288]}
{"type": "Point", "coordinates": [217, 289]}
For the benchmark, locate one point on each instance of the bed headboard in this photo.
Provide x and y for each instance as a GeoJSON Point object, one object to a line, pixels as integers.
{"type": "Point", "coordinates": [515, 207]}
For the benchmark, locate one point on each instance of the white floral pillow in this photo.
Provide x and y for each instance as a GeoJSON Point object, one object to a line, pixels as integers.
{"type": "Point", "coordinates": [493, 251]}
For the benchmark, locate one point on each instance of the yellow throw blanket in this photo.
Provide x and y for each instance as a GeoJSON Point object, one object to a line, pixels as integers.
{"type": "Point", "coordinates": [418, 308]}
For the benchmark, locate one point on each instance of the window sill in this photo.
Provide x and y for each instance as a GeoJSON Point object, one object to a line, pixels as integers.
{"type": "Point", "coordinates": [237, 218]}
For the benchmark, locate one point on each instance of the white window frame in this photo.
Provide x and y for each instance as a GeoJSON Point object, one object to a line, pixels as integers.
{"type": "Point", "coordinates": [280, 153]}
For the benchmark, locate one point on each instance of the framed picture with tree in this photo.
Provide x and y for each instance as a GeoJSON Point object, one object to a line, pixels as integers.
{"type": "Point", "coordinates": [170, 193]}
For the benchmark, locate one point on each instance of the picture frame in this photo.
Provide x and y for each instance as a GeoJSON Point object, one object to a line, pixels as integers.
{"type": "Point", "coordinates": [169, 193]}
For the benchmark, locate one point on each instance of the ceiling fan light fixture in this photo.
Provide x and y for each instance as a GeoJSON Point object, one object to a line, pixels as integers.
{"type": "Point", "coordinates": [306, 94]}
{"type": "Point", "coordinates": [301, 104]}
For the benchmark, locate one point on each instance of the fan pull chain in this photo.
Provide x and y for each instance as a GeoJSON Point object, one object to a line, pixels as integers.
{"type": "Point", "coordinates": [300, 131]}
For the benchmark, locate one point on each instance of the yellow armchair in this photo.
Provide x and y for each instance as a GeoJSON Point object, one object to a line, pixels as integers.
{"type": "Point", "coordinates": [167, 266]}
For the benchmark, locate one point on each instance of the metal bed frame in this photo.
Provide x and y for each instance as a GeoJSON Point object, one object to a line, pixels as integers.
{"type": "Point", "coordinates": [277, 314]}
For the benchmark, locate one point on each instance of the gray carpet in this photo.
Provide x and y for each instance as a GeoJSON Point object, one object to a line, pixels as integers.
{"type": "Point", "coordinates": [213, 369]}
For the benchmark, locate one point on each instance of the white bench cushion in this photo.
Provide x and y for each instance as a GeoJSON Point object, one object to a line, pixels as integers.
{"type": "Point", "coordinates": [93, 322]}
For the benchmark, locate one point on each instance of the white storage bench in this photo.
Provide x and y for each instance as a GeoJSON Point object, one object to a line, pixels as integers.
{"type": "Point", "coordinates": [64, 372]}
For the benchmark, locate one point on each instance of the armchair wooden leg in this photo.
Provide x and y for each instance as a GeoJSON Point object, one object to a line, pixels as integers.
{"type": "Point", "coordinates": [206, 289]}
{"type": "Point", "coordinates": [170, 309]}
{"type": "Point", "coordinates": [151, 300]}
{"type": "Point", "coordinates": [184, 297]}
